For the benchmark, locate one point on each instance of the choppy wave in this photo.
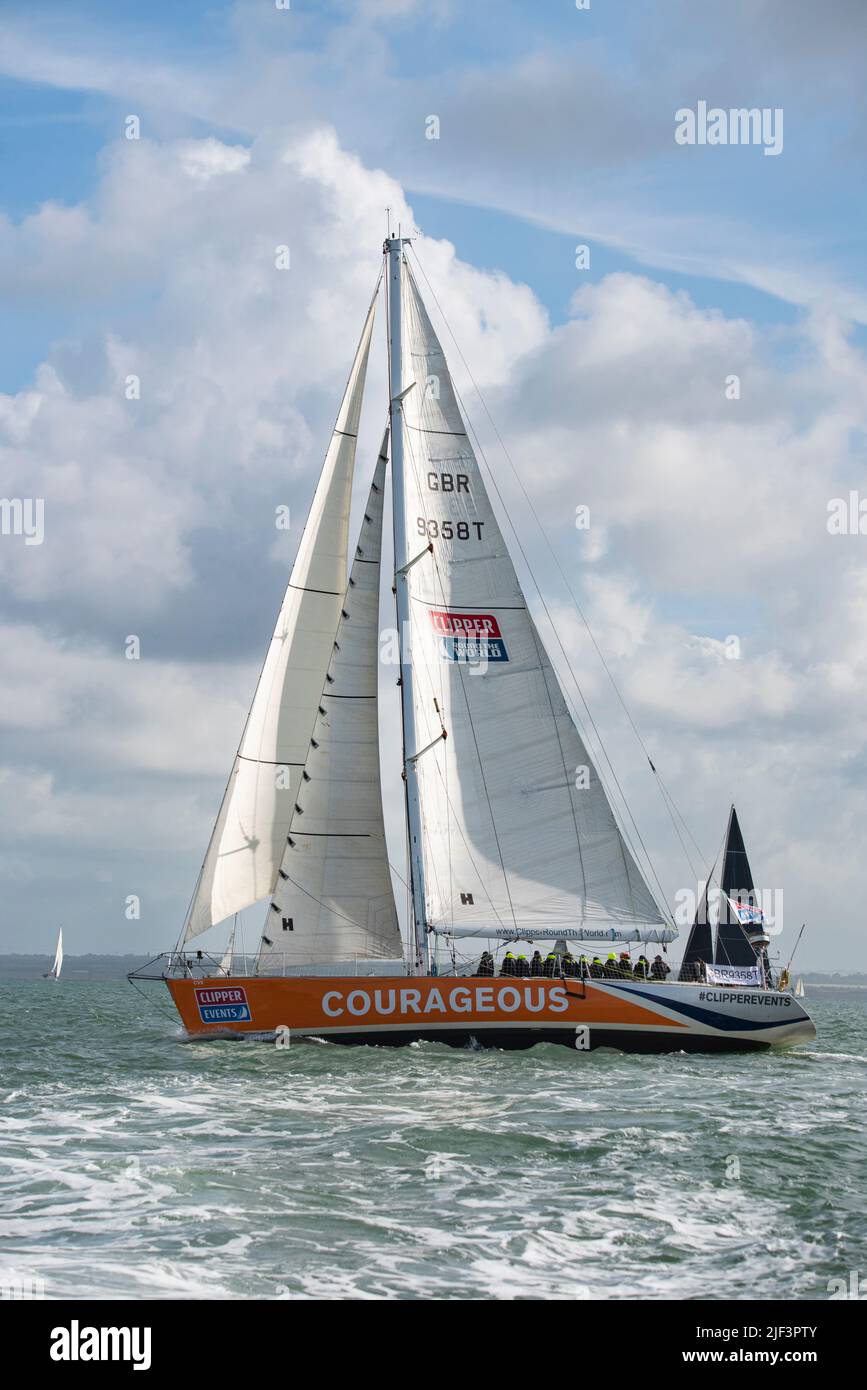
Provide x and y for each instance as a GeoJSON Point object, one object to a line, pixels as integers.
{"type": "Point", "coordinates": [131, 1166]}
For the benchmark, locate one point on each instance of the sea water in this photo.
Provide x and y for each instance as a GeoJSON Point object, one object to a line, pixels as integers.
{"type": "Point", "coordinates": [134, 1164]}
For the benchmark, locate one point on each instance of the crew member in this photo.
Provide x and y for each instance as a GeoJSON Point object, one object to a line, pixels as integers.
{"type": "Point", "coordinates": [536, 964]}
{"type": "Point", "coordinates": [597, 969]}
{"type": "Point", "coordinates": [659, 970]}
{"type": "Point", "coordinates": [486, 964]}
{"type": "Point", "coordinates": [508, 967]}
{"type": "Point", "coordinates": [610, 968]}
{"type": "Point", "coordinates": [522, 966]}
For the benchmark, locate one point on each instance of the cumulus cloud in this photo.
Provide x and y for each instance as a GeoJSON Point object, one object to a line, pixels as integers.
{"type": "Point", "coordinates": [707, 516]}
{"type": "Point", "coordinates": [568, 122]}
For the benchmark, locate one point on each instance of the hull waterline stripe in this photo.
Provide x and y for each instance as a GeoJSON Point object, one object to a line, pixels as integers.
{"type": "Point", "coordinates": [546, 1025]}
{"type": "Point", "coordinates": [726, 1022]}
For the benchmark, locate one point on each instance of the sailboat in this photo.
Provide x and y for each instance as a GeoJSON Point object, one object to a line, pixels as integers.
{"type": "Point", "coordinates": [54, 972]}
{"type": "Point", "coordinates": [506, 845]}
{"type": "Point", "coordinates": [799, 990]}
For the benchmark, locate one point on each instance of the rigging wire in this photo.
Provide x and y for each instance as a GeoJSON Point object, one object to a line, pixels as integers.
{"type": "Point", "coordinates": [647, 857]}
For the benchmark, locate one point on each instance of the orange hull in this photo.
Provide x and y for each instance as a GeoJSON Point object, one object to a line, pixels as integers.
{"type": "Point", "coordinates": [638, 1016]}
{"type": "Point", "coordinates": [399, 1009]}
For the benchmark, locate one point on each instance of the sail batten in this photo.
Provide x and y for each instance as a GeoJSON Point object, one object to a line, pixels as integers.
{"type": "Point", "coordinates": [246, 846]}
{"type": "Point", "coordinates": [333, 899]}
{"type": "Point", "coordinates": [518, 831]}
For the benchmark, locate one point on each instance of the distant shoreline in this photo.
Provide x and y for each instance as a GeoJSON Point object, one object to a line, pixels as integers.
{"type": "Point", "coordinates": [89, 967]}
{"type": "Point", "coordinates": [101, 966]}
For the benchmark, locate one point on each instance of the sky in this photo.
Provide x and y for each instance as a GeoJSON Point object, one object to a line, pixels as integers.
{"type": "Point", "coordinates": [733, 620]}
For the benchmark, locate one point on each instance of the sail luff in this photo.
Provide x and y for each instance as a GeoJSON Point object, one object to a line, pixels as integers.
{"type": "Point", "coordinates": [244, 852]}
{"type": "Point", "coordinates": [333, 900]}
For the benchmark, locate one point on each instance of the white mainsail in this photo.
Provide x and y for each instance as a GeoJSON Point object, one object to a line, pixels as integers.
{"type": "Point", "coordinates": [334, 900]}
{"type": "Point", "coordinates": [517, 829]}
{"type": "Point", "coordinates": [249, 836]}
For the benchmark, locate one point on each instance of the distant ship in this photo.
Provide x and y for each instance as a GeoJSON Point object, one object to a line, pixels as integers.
{"type": "Point", "coordinates": [507, 846]}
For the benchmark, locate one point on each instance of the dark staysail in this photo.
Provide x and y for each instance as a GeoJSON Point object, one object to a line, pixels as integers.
{"type": "Point", "coordinates": [740, 921]}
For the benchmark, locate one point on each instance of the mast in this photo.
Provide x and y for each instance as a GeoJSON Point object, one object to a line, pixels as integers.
{"type": "Point", "coordinates": [394, 250]}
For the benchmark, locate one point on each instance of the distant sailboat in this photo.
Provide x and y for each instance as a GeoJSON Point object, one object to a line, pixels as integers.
{"type": "Point", "coordinates": [505, 842]}
{"type": "Point", "coordinates": [799, 990]}
{"type": "Point", "coordinates": [54, 972]}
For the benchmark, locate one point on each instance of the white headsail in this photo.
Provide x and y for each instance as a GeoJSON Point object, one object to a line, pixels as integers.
{"type": "Point", "coordinates": [518, 832]}
{"type": "Point", "coordinates": [248, 839]}
{"type": "Point", "coordinates": [333, 900]}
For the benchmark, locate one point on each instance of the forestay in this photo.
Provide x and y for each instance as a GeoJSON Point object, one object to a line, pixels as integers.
{"type": "Point", "coordinates": [518, 832]}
